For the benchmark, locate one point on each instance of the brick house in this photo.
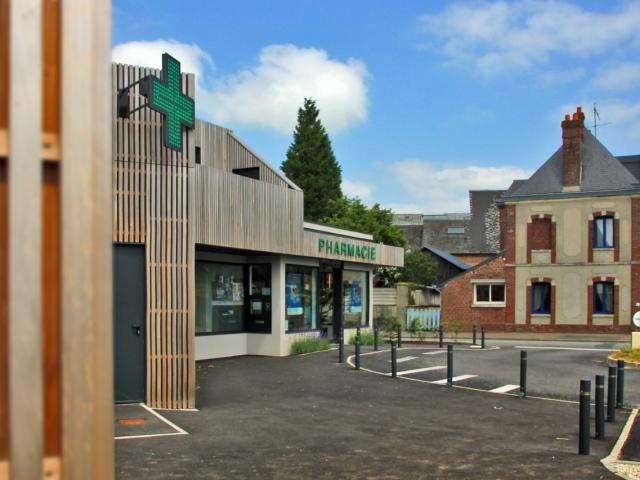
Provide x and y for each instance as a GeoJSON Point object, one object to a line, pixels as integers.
{"type": "Point", "coordinates": [570, 239]}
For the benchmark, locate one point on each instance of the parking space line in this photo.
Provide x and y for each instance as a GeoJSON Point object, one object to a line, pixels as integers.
{"type": "Point", "coordinates": [434, 353]}
{"type": "Point", "coordinates": [403, 359]}
{"type": "Point", "coordinates": [579, 349]}
{"type": "Point", "coordinates": [459, 378]}
{"type": "Point", "coordinates": [418, 370]}
{"type": "Point", "coordinates": [505, 389]}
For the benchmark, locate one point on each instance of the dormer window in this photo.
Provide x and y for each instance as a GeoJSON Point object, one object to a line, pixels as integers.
{"type": "Point", "coordinates": [603, 236]}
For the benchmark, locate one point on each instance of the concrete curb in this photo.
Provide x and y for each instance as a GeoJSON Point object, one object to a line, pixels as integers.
{"type": "Point", "coordinates": [611, 460]}
{"type": "Point", "coordinates": [627, 364]}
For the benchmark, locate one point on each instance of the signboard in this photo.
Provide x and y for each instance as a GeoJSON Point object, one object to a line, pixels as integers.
{"type": "Point", "coordinates": [347, 249]}
{"type": "Point", "coordinates": [636, 319]}
{"type": "Point", "coordinates": [294, 294]}
{"type": "Point", "coordinates": [165, 96]}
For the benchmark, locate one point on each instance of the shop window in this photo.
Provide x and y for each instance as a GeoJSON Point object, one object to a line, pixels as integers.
{"type": "Point", "coordinates": [301, 298]}
{"type": "Point", "coordinates": [355, 298]}
{"type": "Point", "coordinates": [603, 232]}
{"type": "Point", "coordinates": [259, 320]}
{"type": "Point", "coordinates": [541, 298]}
{"type": "Point", "coordinates": [488, 294]}
{"type": "Point", "coordinates": [603, 301]}
{"type": "Point", "coordinates": [219, 298]}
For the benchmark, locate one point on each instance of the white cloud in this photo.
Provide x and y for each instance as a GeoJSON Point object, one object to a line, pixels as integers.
{"type": "Point", "coordinates": [560, 77]}
{"type": "Point", "coordinates": [353, 188]}
{"type": "Point", "coordinates": [622, 77]}
{"type": "Point", "coordinates": [498, 37]}
{"type": "Point", "coordinates": [269, 94]}
{"type": "Point", "coordinates": [149, 54]}
{"type": "Point", "coordinates": [433, 188]}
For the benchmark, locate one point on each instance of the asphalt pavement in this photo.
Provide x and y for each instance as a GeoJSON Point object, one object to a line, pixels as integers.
{"type": "Point", "coordinates": [310, 417]}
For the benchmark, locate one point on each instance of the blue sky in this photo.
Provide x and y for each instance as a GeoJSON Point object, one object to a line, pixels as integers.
{"type": "Point", "coordinates": [423, 100]}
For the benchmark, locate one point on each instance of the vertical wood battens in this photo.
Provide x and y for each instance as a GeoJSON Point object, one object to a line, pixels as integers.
{"type": "Point", "coordinates": [4, 254]}
{"type": "Point", "coordinates": [86, 241]}
{"type": "Point", "coordinates": [151, 204]}
{"type": "Point", "coordinates": [24, 239]}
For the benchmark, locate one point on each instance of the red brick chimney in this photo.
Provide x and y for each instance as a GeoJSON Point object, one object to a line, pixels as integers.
{"type": "Point", "coordinates": [572, 136]}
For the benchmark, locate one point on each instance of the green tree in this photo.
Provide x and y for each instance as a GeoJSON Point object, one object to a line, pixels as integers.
{"type": "Point", "coordinates": [418, 268]}
{"type": "Point", "coordinates": [311, 164]}
{"type": "Point", "coordinates": [352, 214]}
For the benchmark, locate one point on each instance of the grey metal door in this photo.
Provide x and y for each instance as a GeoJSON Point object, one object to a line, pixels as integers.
{"type": "Point", "coordinates": [129, 323]}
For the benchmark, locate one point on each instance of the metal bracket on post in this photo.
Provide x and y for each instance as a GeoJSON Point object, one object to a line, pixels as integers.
{"type": "Point", "coordinates": [123, 98]}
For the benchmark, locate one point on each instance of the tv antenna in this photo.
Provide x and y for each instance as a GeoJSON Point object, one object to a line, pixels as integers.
{"type": "Point", "coordinates": [596, 117]}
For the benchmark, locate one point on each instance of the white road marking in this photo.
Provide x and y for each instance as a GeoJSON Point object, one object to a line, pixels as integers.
{"type": "Point", "coordinates": [433, 353]}
{"type": "Point", "coordinates": [454, 379]}
{"type": "Point", "coordinates": [580, 349]}
{"type": "Point", "coordinates": [505, 389]}
{"type": "Point", "coordinates": [178, 430]}
{"type": "Point", "coordinates": [417, 370]}
{"type": "Point", "coordinates": [404, 359]}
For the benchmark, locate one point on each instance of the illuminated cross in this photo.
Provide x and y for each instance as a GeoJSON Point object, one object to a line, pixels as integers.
{"type": "Point", "coordinates": [165, 96]}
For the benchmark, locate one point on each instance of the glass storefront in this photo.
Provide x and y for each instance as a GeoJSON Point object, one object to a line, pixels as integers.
{"type": "Point", "coordinates": [301, 298]}
{"type": "Point", "coordinates": [223, 304]}
{"type": "Point", "coordinates": [355, 299]}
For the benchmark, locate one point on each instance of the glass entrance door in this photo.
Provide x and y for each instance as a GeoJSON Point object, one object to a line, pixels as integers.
{"type": "Point", "coordinates": [326, 304]}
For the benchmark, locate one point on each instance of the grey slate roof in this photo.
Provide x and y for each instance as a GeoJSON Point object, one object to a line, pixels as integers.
{"type": "Point", "coordinates": [601, 172]}
{"type": "Point", "coordinates": [631, 163]}
{"type": "Point", "coordinates": [448, 257]}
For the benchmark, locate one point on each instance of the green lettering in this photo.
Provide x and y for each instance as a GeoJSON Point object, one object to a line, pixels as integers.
{"type": "Point", "coordinates": [373, 253]}
{"type": "Point", "coordinates": [320, 244]}
{"type": "Point", "coordinates": [336, 248]}
{"type": "Point", "coordinates": [358, 252]}
{"type": "Point", "coordinates": [343, 248]}
{"type": "Point", "coordinates": [329, 246]}
{"type": "Point", "coordinates": [351, 250]}
{"type": "Point", "coordinates": [365, 250]}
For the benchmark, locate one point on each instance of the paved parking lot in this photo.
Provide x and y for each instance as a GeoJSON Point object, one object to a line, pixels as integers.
{"type": "Point", "coordinates": [309, 417]}
{"type": "Point", "coordinates": [554, 368]}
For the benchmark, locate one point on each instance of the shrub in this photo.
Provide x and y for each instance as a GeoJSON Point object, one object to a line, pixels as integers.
{"type": "Point", "coordinates": [628, 354]}
{"type": "Point", "coordinates": [366, 338]}
{"type": "Point", "coordinates": [418, 330]}
{"type": "Point", "coordinates": [453, 327]}
{"type": "Point", "coordinates": [309, 344]}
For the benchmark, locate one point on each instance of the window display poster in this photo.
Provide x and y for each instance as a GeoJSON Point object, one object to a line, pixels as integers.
{"type": "Point", "coordinates": [294, 294]}
{"type": "Point", "coordinates": [356, 297]}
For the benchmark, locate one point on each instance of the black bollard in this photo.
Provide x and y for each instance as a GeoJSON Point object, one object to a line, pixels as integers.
{"type": "Point", "coordinates": [449, 365]}
{"type": "Point", "coordinates": [394, 360]}
{"type": "Point", "coordinates": [376, 335]}
{"type": "Point", "coordinates": [341, 346]}
{"type": "Point", "coordinates": [357, 352]}
{"type": "Point", "coordinates": [475, 330]}
{"type": "Point", "coordinates": [441, 336]}
{"type": "Point", "coordinates": [600, 407]}
{"type": "Point", "coordinates": [585, 411]}
{"type": "Point", "coordinates": [357, 330]}
{"type": "Point", "coordinates": [482, 337]}
{"type": "Point", "coordinates": [399, 336]}
{"type": "Point", "coordinates": [523, 373]}
{"type": "Point", "coordinates": [611, 395]}
{"type": "Point", "coordinates": [620, 389]}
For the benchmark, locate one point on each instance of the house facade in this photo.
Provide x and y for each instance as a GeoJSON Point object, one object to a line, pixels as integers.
{"type": "Point", "coordinates": [570, 236]}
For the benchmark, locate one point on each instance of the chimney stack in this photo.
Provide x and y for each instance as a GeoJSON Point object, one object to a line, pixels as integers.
{"type": "Point", "coordinates": [572, 137]}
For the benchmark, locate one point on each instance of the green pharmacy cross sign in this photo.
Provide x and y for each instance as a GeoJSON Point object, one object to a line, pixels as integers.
{"type": "Point", "coordinates": [165, 96]}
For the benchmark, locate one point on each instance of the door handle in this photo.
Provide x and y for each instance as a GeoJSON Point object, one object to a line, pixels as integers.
{"type": "Point", "coordinates": [137, 329]}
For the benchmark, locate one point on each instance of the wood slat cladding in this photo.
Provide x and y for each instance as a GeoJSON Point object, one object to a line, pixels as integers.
{"type": "Point", "coordinates": [220, 148]}
{"type": "Point", "coordinates": [239, 212]}
{"type": "Point", "coordinates": [151, 207]}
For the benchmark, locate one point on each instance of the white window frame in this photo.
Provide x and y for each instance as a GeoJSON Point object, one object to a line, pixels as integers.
{"type": "Point", "coordinates": [490, 283]}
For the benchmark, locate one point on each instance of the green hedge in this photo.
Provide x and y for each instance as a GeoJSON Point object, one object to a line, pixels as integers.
{"type": "Point", "coordinates": [366, 338]}
{"type": "Point", "coordinates": [309, 344]}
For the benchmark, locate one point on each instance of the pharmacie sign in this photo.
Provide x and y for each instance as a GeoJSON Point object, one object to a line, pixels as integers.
{"type": "Point", "coordinates": [346, 249]}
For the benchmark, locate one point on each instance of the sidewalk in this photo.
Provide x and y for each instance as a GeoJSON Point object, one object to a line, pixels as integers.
{"type": "Point", "coordinates": [522, 336]}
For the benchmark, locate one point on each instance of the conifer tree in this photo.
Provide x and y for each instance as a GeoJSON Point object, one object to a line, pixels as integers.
{"type": "Point", "coordinates": [311, 164]}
